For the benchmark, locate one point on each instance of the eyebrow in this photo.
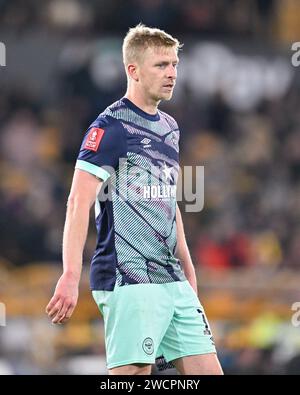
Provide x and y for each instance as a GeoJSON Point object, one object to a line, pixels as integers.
{"type": "Point", "coordinates": [164, 62]}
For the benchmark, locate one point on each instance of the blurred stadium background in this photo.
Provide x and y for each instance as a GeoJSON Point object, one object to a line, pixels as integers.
{"type": "Point", "coordinates": [237, 103]}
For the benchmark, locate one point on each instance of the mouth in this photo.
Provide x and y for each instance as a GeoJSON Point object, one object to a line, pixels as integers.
{"type": "Point", "coordinates": [169, 86]}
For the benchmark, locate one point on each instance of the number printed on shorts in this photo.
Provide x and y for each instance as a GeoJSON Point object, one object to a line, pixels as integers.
{"type": "Point", "coordinates": [206, 331]}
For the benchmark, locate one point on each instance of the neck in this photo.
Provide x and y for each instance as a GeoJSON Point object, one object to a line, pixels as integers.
{"type": "Point", "coordinates": [145, 103]}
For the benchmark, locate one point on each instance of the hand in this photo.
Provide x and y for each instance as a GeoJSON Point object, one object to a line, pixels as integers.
{"type": "Point", "coordinates": [64, 300]}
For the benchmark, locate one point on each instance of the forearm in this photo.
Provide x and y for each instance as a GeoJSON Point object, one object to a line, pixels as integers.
{"type": "Point", "coordinates": [183, 254]}
{"type": "Point", "coordinates": [75, 233]}
{"type": "Point", "coordinates": [82, 196]}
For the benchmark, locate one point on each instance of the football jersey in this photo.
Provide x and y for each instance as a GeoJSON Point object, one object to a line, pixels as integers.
{"type": "Point", "coordinates": [135, 154]}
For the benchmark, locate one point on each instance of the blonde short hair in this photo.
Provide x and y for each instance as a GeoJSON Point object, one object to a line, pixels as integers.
{"type": "Point", "coordinates": [141, 37]}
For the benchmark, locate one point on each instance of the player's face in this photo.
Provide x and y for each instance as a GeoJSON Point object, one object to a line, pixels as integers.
{"type": "Point", "coordinates": [158, 73]}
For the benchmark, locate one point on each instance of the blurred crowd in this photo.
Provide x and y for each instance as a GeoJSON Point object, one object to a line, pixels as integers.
{"type": "Point", "coordinates": [250, 222]}
{"type": "Point", "coordinates": [252, 174]}
{"type": "Point", "coordinates": [251, 19]}
{"type": "Point", "coordinates": [247, 17]}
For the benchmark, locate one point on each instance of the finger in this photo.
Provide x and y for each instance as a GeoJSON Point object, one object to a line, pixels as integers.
{"type": "Point", "coordinates": [57, 318]}
{"type": "Point", "coordinates": [61, 313]}
{"type": "Point", "coordinates": [68, 314]}
{"type": "Point", "coordinates": [52, 302]}
{"type": "Point", "coordinates": [56, 309]}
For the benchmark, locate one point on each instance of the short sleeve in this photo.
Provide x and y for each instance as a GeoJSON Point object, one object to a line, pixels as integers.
{"type": "Point", "coordinates": [103, 145]}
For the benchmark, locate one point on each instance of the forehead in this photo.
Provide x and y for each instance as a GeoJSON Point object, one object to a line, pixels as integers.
{"type": "Point", "coordinates": [167, 54]}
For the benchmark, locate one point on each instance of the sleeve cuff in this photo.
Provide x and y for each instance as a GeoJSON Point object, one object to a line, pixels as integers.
{"type": "Point", "coordinates": [93, 169]}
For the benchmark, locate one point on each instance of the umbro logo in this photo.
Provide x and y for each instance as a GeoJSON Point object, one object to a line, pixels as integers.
{"type": "Point", "coordinates": [146, 142]}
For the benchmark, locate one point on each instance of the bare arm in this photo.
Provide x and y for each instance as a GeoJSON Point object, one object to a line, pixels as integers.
{"type": "Point", "coordinates": [82, 196]}
{"type": "Point", "coordinates": [183, 254]}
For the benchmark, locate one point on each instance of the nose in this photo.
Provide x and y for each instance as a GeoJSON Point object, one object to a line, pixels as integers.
{"type": "Point", "coordinates": [172, 72]}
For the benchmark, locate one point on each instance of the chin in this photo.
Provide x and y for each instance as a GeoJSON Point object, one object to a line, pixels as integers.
{"type": "Point", "coordinates": [166, 96]}
{"type": "Point", "coordinates": [163, 96]}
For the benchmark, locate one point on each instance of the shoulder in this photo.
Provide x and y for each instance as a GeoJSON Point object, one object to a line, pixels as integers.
{"type": "Point", "coordinates": [170, 120]}
{"type": "Point", "coordinates": [108, 119]}
{"type": "Point", "coordinates": [107, 129]}
{"type": "Point", "coordinates": [111, 115]}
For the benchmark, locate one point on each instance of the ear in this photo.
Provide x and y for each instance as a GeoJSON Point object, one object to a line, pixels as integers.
{"type": "Point", "coordinates": [133, 72]}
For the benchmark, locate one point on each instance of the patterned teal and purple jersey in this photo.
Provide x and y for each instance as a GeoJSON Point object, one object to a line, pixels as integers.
{"type": "Point", "coordinates": [136, 155]}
